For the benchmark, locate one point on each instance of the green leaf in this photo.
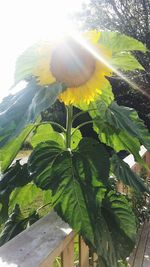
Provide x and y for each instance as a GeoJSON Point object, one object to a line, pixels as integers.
{"type": "Point", "coordinates": [13, 113]}
{"type": "Point", "coordinates": [76, 138]}
{"type": "Point", "coordinates": [123, 118]}
{"type": "Point", "coordinates": [16, 176]}
{"type": "Point", "coordinates": [12, 226]}
{"type": "Point", "coordinates": [24, 108]}
{"type": "Point", "coordinates": [24, 196]}
{"type": "Point", "coordinates": [121, 223]}
{"type": "Point", "coordinates": [65, 173]}
{"type": "Point", "coordinates": [118, 140]}
{"type": "Point", "coordinates": [117, 42]}
{"type": "Point", "coordinates": [107, 95]}
{"type": "Point", "coordinates": [45, 133]}
{"type": "Point", "coordinates": [11, 149]}
{"type": "Point", "coordinates": [26, 63]}
{"type": "Point", "coordinates": [78, 181]}
{"type": "Point", "coordinates": [15, 224]}
{"type": "Point", "coordinates": [120, 128]}
{"type": "Point", "coordinates": [125, 61]}
{"type": "Point", "coordinates": [42, 160]}
{"type": "Point", "coordinates": [123, 172]}
{"type": "Point", "coordinates": [96, 156]}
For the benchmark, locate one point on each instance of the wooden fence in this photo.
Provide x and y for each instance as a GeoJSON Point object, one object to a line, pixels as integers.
{"type": "Point", "coordinates": [50, 237]}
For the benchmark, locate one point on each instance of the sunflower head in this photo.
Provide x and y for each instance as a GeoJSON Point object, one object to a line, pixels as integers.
{"type": "Point", "coordinates": [71, 63]}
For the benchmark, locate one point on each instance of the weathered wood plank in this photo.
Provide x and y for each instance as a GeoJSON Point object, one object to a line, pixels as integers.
{"type": "Point", "coordinates": [146, 259]}
{"type": "Point", "coordinates": [38, 245]}
{"type": "Point", "coordinates": [67, 257]}
{"type": "Point", "coordinates": [139, 255]}
{"type": "Point", "coordinates": [83, 254]}
{"type": "Point", "coordinates": [132, 255]}
{"type": "Point", "coordinates": [148, 162]}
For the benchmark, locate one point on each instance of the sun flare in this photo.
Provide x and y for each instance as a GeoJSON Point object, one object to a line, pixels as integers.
{"type": "Point", "coordinates": [28, 22]}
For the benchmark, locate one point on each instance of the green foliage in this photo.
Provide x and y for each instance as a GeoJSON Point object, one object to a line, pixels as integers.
{"type": "Point", "coordinates": [45, 132]}
{"type": "Point", "coordinates": [123, 118]}
{"type": "Point", "coordinates": [24, 108]}
{"type": "Point", "coordinates": [121, 128]}
{"type": "Point", "coordinates": [117, 42]}
{"type": "Point", "coordinates": [126, 62]}
{"type": "Point", "coordinates": [25, 63]}
{"type": "Point", "coordinates": [78, 180]}
{"type": "Point", "coordinates": [10, 150]}
{"type": "Point", "coordinates": [76, 137]}
{"type": "Point", "coordinates": [121, 223]}
{"type": "Point", "coordinates": [16, 176]}
{"type": "Point", "coordinates": [121, 47]}
{"type": "Point", "coordinates": [24, 196]}
{"type": "Point", "coordinates": [15, 224]}
{"type": "Point", "coordinates": [123, 172]}
{"type": "Point", "coordinates": [13, 113]}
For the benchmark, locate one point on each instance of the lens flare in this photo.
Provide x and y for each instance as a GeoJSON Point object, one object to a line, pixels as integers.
{"type": "Point", "coordinates": [100, 57]}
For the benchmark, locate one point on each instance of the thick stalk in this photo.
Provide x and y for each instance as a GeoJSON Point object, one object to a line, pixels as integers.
{"type": "Point", "coordinates": [69, 125]}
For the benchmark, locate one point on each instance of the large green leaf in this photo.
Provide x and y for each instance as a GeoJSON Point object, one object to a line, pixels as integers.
{"type": "Point", "coordinates": [10, 150]}
{"type": "Point", "coordinates": [118, 140]}
{"type": "Point", "coordinates": [61, 171]}
{"type": "Point", "coordinates": [125, 61]}
{"type": "Point", "coordinates": [123, 172]}
{"type": "Point", "coordinates": [121, 47]}
{"type": "Point", "coordinates": [13, 111]}
{"type": "Point", "coordinates": [15, 224]}
{"type": "Point", "coordinates": [121, 223]}
{"type": "Point", "coordinates": [44, 133]}
{"type": "Point", "coordinates": [96, 156]}
{"type": "Point", "coordinates": [25, 196]}
{"type": "Point", "coordinates": [78, 181]}
{"type": "Point", "coordinates": [12, 226]}
{"type": "Point", "coordinates": [76, 138]}
{"type": "Point", "coordinates": [46, 154]}
{"type": "Point", "coordinates": [24, 107]}
{"type": "Point", "coordinates": [16, 176]}
{"type": "Point", "coordinates": [120, 128]}
{"type": "Point", "coordinates": [123, 118]}
{"type": "Point", "coordinates": [117, 42]}
{"type": "Point", "coordinates": [104, 246]}
{"type": "Point", "coordinates": [26, 63]}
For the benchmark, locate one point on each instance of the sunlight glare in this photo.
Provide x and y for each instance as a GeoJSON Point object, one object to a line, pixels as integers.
{"type": "Point", "coordinates": [23, 23]}
{"type": "Point", "coordinates": [100, 57]}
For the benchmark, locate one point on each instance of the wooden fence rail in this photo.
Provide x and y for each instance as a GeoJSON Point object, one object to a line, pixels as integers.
{"type": "Point", "coordinates": [48, 238]}
{"type": "Point", "coordinates": [42, 243]}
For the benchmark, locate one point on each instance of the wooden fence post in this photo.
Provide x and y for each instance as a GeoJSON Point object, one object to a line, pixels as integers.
{"type": "Point", "coordinates": [83, 253]}
{"type": "Point", "coordinates": [67, 256]}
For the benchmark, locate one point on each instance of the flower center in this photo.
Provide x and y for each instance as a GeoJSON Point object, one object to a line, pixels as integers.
{"type": "Point", "coordinates": [71, 63]}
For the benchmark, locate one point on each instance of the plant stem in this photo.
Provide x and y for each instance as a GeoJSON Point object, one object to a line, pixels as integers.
{"type": "Point", "coordinates": [83, 112]}
{"type": "Point", "coordinates": [80, 125]}
{"type": "Point", "coordinates": [69, 125]}
{"type": "Point", "coordinates": [41, 207]}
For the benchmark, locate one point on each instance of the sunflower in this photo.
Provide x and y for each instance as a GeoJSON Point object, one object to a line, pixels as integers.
{"type": "Point", "coordinates": [71, 63]}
